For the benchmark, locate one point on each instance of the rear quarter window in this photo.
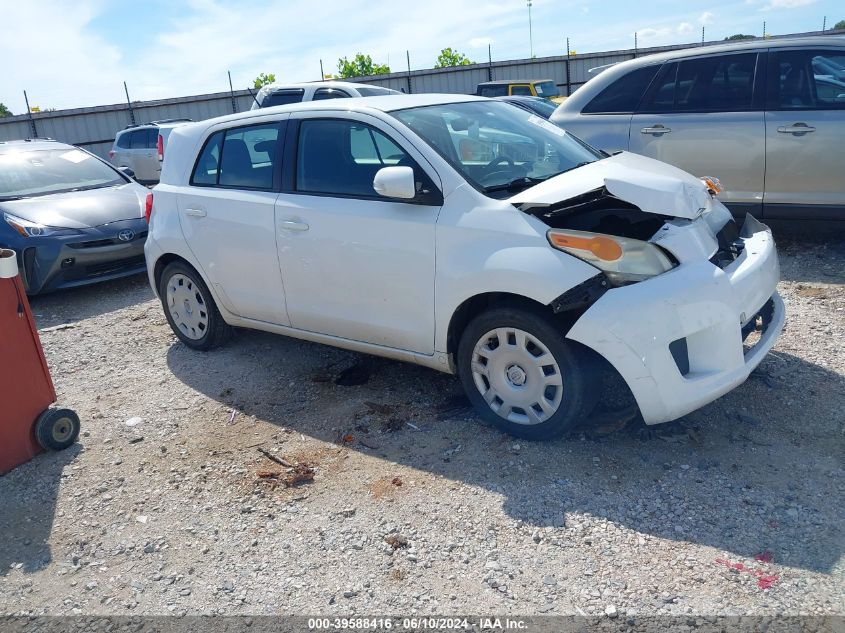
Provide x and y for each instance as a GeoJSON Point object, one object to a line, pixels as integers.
{"type": "Point", "coordinates": [623, 95]}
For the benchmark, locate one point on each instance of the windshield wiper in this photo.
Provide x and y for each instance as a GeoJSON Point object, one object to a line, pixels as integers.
{"type": "Point", "coordinates": [524, 181]}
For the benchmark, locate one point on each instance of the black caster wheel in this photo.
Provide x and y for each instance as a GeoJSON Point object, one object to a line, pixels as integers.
{"type": "Point", "coordinates": [56, 429]}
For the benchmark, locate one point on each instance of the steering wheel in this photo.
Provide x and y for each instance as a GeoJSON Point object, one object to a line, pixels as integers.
{"type": "Point", "coordinates": [499, 160]}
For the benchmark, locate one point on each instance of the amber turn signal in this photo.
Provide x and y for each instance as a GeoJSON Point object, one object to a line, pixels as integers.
{"type": "Point", "coordinates": [604, 248]}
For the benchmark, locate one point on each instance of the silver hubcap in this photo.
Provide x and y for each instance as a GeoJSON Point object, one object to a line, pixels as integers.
{"type": "Point", "coordinates": [187, 306]}
{"type": "Point", "coordinates": [62, 429]}
{"type": "Point", "coordinates": [517, 375]}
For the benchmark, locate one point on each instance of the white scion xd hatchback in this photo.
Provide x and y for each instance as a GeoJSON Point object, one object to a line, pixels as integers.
{"type": "Point", "coordinates": [469, 236]}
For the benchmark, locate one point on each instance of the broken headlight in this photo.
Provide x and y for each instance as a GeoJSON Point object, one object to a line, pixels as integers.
{"type": "Point", "coordinates": [623, 260]}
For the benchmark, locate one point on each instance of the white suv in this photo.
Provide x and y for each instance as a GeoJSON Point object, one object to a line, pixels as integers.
{"type": "Point", "coordinates": [284, 94]}
{"type": "Point", "coordinates": [468, 236]}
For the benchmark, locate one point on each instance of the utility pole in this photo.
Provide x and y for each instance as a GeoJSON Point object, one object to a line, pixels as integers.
{"type": "Point", "coordinates": [322, 74]}
{"type": "Point", "coordinates": [702, 36]}
{"type": "Point", "coordinates": [129, 103]}
{"type": "Point", "coordinates": [530, 30]}
{"type": "Point", "coordinates": [824, 24]}
{"type": "Point", "coordinates": [635, 44]}
{"type": "Point", "coordinates": [408, 59]}
{"type": "Point", "coordinates": [764, 29]}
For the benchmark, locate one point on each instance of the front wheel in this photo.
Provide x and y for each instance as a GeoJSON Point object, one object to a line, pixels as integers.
{"type": "Point", "coordinates": [190, 309]}
{"type": "Point", "coordinates": [523, 376]}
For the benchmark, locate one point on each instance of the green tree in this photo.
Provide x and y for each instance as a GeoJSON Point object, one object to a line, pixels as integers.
{"type": "Point", "coordinates": [263, 79]}
{"type": "Point", "coordinates": [360, 66]}
{"type": "Point", "coordinates": [839, 25]}
{"type": "Point", "coordinates": [739, 36]}
{"type": "Point", "coordinates": [448, 58]}
{"type": "Point", "coordinates": [4, 111]}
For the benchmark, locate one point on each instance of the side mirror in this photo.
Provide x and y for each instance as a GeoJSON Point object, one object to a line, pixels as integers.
{"type": "Point", "coordinates": [395, 182]}
{"type": "Point", "coordinates": [127, 171]}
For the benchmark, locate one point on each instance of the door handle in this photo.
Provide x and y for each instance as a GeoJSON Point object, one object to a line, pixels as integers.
{"type": "Point", "coordinates": [796, 128]}
{"type": "Point", "coordinates": [290, 225]}
{"type": "Point", "coordinates": [196, 213]}
{"type": "Point", "coordinates": [656, 130]}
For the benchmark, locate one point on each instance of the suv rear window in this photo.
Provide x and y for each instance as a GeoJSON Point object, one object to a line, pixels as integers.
{"type": "Point", "coordinates": [282, 97]}
{"type": "Point", "coordinates": [122, 140]}
{"type": "Point", "coordinates": [624, 94]}
{"type": "Point", "coordinates": [143, 139]}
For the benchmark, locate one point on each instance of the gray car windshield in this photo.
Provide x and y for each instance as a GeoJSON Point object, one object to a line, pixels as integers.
{"type": "Point", "coordinates": [42, 172]}
{"type": "Point", "coordinates": [495, 146]}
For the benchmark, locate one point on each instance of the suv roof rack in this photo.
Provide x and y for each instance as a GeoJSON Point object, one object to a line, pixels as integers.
{"type": "Point", "coordinates": [157, 122]}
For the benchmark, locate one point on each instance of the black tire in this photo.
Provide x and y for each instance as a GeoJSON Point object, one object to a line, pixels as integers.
{"type": "Point", "coordinates": [217, 331]}
{"type": "Point", "coordinates": [56, 429]}
{"type": "Point", "coordinates": [577, 372]}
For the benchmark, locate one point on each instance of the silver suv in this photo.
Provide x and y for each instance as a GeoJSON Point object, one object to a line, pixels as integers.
{"type": "Point", "coordinates": [766, 117]}
{"type": "Point", "coordinates": [141, 148]}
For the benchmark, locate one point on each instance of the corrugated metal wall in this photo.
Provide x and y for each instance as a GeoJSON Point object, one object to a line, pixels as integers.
{"type": "Point", "coordinates": [95, 128]}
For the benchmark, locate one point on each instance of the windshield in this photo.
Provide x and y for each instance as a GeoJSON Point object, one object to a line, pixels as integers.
{"type": "Point", "coordinates": [543, 107]}
{"type": "Point", "coordinates": [41, 172]}
{"type": "Point", "coordinates": [546, 89]}
{"type": "Point", "coordinates": [496, 146]}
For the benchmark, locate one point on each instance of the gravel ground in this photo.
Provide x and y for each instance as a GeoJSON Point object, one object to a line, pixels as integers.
{"type": "Point", "coordinates": [166, 504]}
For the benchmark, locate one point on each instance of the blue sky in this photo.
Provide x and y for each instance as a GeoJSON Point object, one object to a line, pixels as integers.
{"type": "Point", "coordinates": [72, 54]}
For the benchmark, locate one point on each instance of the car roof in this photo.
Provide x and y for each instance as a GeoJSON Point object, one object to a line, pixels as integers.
{"type": "Point", "coordinates": [385, 103]}
{"type": "Point", "coordinates": [583, 95]}
{"type": "Point", "coordinates": [29, 144]}
{"type": "Point", "coordinates": [163, 123]}
{"type": "Point", "coordinates": [505, 82]}
{"type": "Point", "coordinates": [740, 45]}
{"type": "Point", "coordinates": [322, 84]}
{"type": "Point", "coordinates": [524, 98]}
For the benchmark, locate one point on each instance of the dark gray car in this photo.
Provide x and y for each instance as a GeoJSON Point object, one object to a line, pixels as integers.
{"type": "Point", "coordinates": [766, 117]}
{"type": "Point", "coordinates": [71, 218]}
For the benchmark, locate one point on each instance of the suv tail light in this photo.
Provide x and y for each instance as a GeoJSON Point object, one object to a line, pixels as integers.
{"type": "Point", "coordinates": [160, 147]}
{"type": "Point", "coordinates": [148, 206]}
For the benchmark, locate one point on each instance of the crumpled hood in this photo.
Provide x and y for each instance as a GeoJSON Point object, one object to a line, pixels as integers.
{"type": "Point", "coordinates": [650, 185]}
{"type": "Point", "coordinates": [81, 209]}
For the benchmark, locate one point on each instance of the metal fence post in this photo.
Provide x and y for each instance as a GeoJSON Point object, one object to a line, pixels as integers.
{"type": "Point", "coordinates": [568, 78]}
{"type": "Point", "coordinates": [29, 115]}
{"type": "Point", "coordinates": [232, 92]}
{"type": "Point", "coordinates": [129, 103]}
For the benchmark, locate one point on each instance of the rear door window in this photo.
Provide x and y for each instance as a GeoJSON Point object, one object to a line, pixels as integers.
{"type": "Point", "coordinates": [241, 158]}
{"type": "Point", "coordinates": [624, 94]}
{"type": "Point", "coordinates": [521, 90]}
{"type": "Point", "coordinates": [720, 83]}
{"type": "Point", "coordinates": [496, 90]}
{"type": "Point", "coordinates": [140, 139]}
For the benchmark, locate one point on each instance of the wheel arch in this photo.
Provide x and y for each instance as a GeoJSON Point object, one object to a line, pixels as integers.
{"type": "Point", "coordinates": [480, 303]}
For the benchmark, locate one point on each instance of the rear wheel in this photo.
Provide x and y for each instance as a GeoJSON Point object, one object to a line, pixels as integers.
{"type": "Point", "coordinates": [190, 310]}
{"type": "Point", "coordinates": [56, 429]}
{"type": "Point", "coordinates": [522, 375]}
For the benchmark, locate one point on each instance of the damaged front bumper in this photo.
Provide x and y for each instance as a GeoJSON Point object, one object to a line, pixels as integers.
{"type": "Point", "coordinates": [678, 339]}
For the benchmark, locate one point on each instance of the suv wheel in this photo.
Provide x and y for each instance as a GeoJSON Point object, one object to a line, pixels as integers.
{"type": "Point", "coordinates": [522, 375]}
{"type": "Point", "coordinates": [190, 310]}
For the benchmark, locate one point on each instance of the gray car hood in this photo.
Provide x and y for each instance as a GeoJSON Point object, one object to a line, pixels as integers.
{"type": "Point", "coordinates": [81, 209]}
{"type": "Point", "coordinates": [650, 185]}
